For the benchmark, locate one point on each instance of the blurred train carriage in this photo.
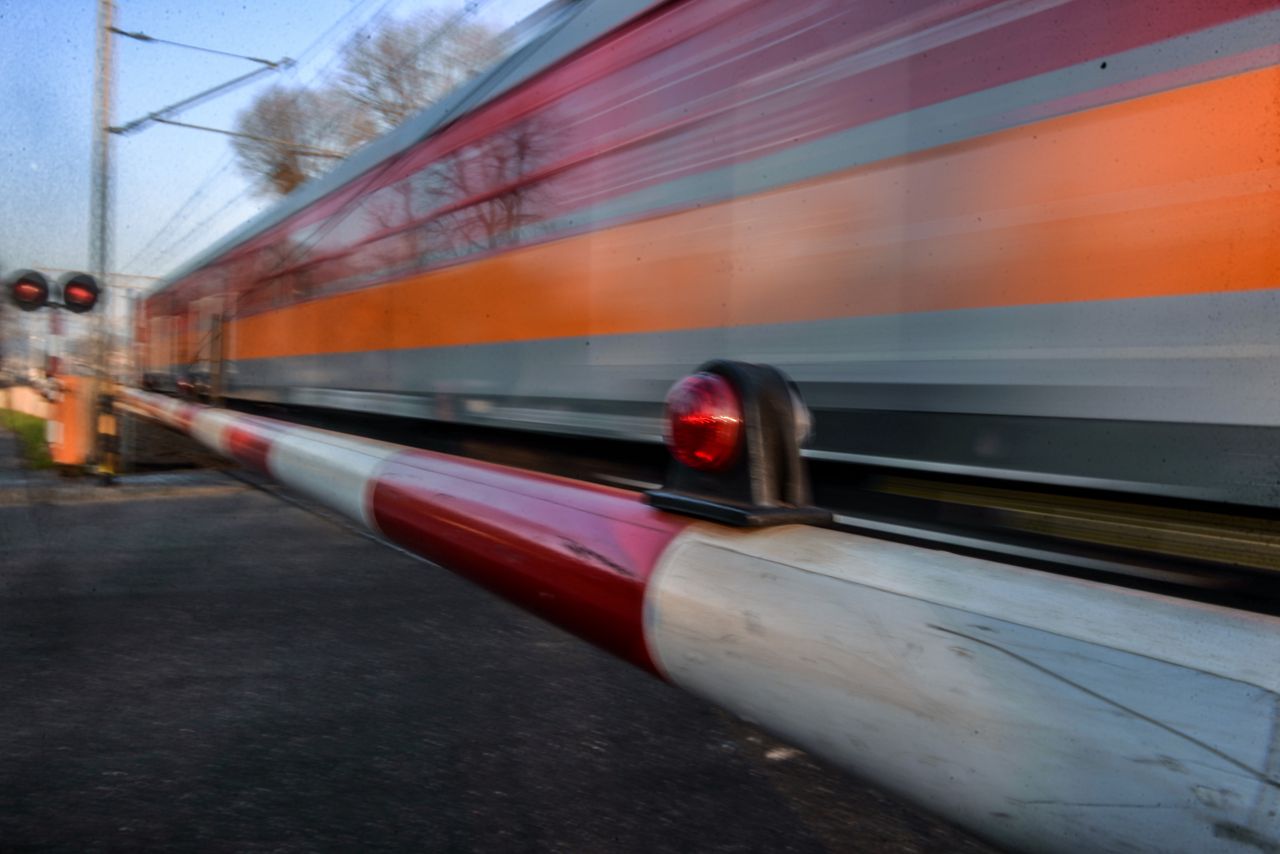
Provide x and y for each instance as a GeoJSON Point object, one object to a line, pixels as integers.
{"type": "Point", "coordinates": [1028, 241]}
{"type": "Point", "coordinates": [1021, 258]}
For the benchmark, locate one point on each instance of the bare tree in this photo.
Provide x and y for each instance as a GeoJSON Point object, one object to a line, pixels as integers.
{"type": "Point", "coordinates": [290, 136]}
{"type": "Point", "coordinates": [402, 67]}
{"type": "Point", "coordinates": [387, 74]}
{"type": "Point", "coordinates": [493, 176]}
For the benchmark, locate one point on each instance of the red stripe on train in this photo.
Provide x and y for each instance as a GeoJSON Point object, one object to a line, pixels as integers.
{"type": "Point", "coordinates": [575, 554]}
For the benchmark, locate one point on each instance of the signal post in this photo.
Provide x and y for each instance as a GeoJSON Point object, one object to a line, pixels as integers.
{"type": "Point", "coordinates": [78, 431]}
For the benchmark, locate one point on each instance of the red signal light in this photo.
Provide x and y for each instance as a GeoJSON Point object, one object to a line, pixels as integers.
{"type": "Point", "coordinates": [79, 295]}
{"type": "Point", "coordinates": [704, 422]}
{"type": "Point", "coordinates": [79, 292]}
{"type": "Point", "coordinates": [29, 290]}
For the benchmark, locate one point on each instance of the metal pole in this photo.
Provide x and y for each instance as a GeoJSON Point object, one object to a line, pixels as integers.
{"type": "Point", "coordinates": [100, 224]}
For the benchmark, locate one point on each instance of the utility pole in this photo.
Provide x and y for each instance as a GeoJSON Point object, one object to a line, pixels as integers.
{"type": "Point", "coordinates": [100, 234]}
{"type": "Point", "coordinates": [100, 217]}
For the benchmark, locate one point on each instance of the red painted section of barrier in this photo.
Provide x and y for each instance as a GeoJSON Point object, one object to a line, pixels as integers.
{"type": "Point", "coordinates": [184, 413]}
{"type": "Point", "coordinates": [576, 554]}
{"type": "Point", "coordinates": [141, 405]}
{"type": "Point", "coordinates": [249, 441]}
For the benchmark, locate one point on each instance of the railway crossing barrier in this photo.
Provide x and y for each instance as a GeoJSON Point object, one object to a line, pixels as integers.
{"type": "Point", "coordinates": [1044, 712]}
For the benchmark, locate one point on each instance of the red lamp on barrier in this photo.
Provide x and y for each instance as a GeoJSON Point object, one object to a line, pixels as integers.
{"type": "Point", "coordinates": [704, 422]}
{"type": "Point", "coordinates": [734, 431]}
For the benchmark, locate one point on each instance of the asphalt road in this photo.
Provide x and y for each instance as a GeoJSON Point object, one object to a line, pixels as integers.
{"type": "Point", "coordinates": [196, 665]}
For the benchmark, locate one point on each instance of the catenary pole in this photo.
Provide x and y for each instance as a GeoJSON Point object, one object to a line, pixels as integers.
{"type": "Point", "coordinates": [100, 217]}
{"type": "Point", "coordinates": [100, 214]}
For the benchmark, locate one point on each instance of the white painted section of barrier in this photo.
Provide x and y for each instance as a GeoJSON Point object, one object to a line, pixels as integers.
{"type": "Point", "coordinates": [1044, 712]}
{"type": "Point", "coordinates": [169, 410]}
{"type": "Point", "coordinates": [209, 427]}
{"type": "Point", "coordinates": [158, 408]}
{"type": "Point", "coordinates": [331, 468]}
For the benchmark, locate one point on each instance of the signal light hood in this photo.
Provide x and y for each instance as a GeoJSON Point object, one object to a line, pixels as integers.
{"type": "Point", "coordinates": [735, 430]}
{"type": "Point", "coordinates": [29, 290]}
{"type": "Point", "coordinates": [79, 292]}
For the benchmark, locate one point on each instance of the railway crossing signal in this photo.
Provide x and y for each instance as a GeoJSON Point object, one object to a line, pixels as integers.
{"type": "Point", "coordinates": [30, 291]}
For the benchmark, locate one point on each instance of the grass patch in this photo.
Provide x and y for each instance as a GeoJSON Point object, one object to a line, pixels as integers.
{"type": "Point", "coordinates": [30, 432]}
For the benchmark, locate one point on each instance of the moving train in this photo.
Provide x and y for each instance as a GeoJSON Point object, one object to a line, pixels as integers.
{"type": "Point", "coordinates": [1019, 256]}
{"type": "Point", "coordinates": [1029, 241]}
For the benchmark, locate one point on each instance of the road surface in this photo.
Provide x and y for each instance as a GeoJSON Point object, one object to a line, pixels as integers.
{"type": "Point", "coordinates": [190, 663]}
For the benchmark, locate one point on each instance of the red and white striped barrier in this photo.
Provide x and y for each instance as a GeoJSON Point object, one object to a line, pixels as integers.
{"type": "Point", "coordinates": [577, 554]}
{"type": "Point", "coordinates": [1044, 712]}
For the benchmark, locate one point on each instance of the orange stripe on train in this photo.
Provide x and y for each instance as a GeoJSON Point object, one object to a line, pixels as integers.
{"type": "Point", "coordinates": [1171, 194]}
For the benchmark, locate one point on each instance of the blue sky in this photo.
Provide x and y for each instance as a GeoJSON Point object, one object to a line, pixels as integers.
{"type": "Point", "coordinates": [46, 112]}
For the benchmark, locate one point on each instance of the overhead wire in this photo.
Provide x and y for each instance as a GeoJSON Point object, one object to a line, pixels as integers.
{"type": "Point", "coordinates": [143, 37]}
{"type": "Point", "coordinates": [302, 150]}
{"type": "Point", "coordinates": [468, 9]}
{"type": "Point", "coordinates": [182, 212]}
{"type": "Point", "coordinates": [178, 214]}
{"type": "Point", "coordinates": [202, 224]}
{"type": "Point", "coordinates": [348, 206]}
{"type": "Point", "coordinates": [228, 158]}
{"type": "Point", "coordinates": [195, 100]}
{"type": "Point", "coordinates": [332, 222]}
